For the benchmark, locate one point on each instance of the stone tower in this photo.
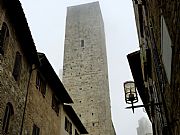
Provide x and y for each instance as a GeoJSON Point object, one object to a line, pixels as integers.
{"type": "Point", "coordinates": [85, 72]}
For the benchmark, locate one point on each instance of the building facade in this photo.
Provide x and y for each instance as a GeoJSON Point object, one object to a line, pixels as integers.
{"type": "Point", "coordinates": [17, 56]}
{"type": "Point", "coordinates": [85, 72]}
{"type": "Point", "coordinates": [158, 30]}
{"type": "Point", "coordinates": [144, 127]}
{"type": "Point", "coordinates": [45, 111]}
{"type": "Point", "coordinates": [32, 97]}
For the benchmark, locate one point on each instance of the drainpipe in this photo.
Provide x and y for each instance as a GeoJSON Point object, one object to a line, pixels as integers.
{"type": "Point", "coordinates": [30, 73]}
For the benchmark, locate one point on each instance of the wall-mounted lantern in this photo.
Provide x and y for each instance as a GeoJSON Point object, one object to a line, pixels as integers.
{"type": "Point", "coordinates": [130, 93]}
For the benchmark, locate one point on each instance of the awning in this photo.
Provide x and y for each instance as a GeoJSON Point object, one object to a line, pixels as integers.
{"type": "Point", "coordinates": [135, 66]}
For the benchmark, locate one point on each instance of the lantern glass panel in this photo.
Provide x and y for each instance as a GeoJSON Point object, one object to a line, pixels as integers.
{"type": "Point", "coordinates": [130, 92]}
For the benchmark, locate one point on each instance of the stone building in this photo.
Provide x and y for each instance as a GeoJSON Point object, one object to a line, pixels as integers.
{"type": "Point", "coordinates": [45, 108]}
{"type": "Point", "coordinates": [32, 98]}
{"type": "Point", "coordinates": [156, 67]}
{"type": "Point", "coordinates": [144, 127]}
{"type": "Point", "coordinates": [17, 57]}
{"type": "Point", "coordinates": [85, 72]}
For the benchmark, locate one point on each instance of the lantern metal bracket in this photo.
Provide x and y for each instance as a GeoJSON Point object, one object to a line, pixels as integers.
{"type": "Point", "coordinates": [145, 105]}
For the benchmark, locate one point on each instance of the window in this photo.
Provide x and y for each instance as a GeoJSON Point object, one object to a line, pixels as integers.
{"type": "Point", "coordinates": [40, 83]}
{"type": "Point", "coordinates": [82, 43]}
{"type": "Point", "coordinates": [166, 49]}
{"type": "Point", "coordinates": [68, 126]}
{"type": "Point", "coordinates": [55, 104]}
{"type": "Point", "coordinates": [140, 11]}
{"type": "Point", "coordinates": [17, 66]}
{"type": "Point", "coordinates": [76, 132]}
{"type": "Point", "coordinates": [36, 130]}
{"type": "Point", "coordinates": [7, 116]}
{"type": "Point", "coordinates": [4, 34]}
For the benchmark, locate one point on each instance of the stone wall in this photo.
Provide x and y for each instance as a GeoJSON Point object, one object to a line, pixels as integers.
{"type": "Point", "coordinates": [85, 74]}
{"type": "Point", "coordinates": [167, 92]}
{"type": "Point", "coordinates": [39, 111]}
{"type": "Point", "coordinates": [10, 90]}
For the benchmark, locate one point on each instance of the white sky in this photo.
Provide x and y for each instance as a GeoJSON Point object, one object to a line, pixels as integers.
{"type": "Point", "coordinates": [46, 19]}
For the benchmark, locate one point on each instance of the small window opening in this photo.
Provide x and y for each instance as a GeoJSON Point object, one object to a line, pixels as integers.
{"type": "Point", "coordinates": [55, 104]}
{"type": "Point", "coordinates": [41, 83]}
{"type": "Point", "coordinates": [68, 126]}
{"type": "Point", "coordinates": [82, 43]}
{"type": "Point", "coordinates": [7, 116]}
{"type": "Point", "coordinates": [17, 66]}
{"type": "Point", "coordinates": [36, 130]}
{"type": "Point", "coordinates": [76, 133]}
{"type": "Point", "coordinates": [4, 34]}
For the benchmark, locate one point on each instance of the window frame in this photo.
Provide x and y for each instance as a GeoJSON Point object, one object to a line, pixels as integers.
{"type": "Point", "coordinates": [9, 112]}
{"type": "Point", "coordinates": [68, 126]}
{"type": "Point", "coordinates": [17, 66]}
{"type": "Point", "coordinates": [41, 83]}
{"type": "Point", "coordinates": [36, 130]}
{"type": "Point", "coordinates": [4, 35]}
{"type": "Point", "coordinates": [55, 104]}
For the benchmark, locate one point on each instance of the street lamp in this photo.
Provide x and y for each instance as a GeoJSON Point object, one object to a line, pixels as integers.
{"type": "Point", "coordinates": [130, 93]}
{"type": "Point", "coordinates": [131, 96]}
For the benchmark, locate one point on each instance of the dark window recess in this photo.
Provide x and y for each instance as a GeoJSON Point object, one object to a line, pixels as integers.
{"type": "Point", "coordinates": [4, 34]}
{"type": "Point", "coordinates": [68, 126]}
{"type": "Point", "coordinates": [141, 19]}
{"type": "Point", "coordinates": [76, 132]}
{"type": "Point", "coordinates": [55, 104]}
{"type": "Point", "coordinates": [17, 66]}
{"type": "Point", "coordinates": [36, 130]}
{"type": "Point", "coordinates": [147, 65]}
{"type": "Point", "coordinates": [40, 83]}
{"type": "Point", "coordinates": [82, 43]}
{"type": "Point", "coordinates": [93, 124]}
{"type": "Point", "coordinates": [7, 116]}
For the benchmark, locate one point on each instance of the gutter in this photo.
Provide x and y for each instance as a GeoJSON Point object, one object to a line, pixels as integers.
{"type": "Point", "coordinates": [24, 111]}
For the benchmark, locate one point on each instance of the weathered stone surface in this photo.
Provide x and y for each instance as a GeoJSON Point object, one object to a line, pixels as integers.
{"type": "Point", "coordinates": [85, 73]}
{"type": "Point", "coordinates": [168, 92]}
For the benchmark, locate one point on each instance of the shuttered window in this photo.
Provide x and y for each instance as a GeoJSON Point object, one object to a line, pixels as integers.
{"type": "Point", "coordinates": [55, 104]}
{"type": "Point", "coordinates": [68, 126]}
{"type": "Point", "coordinates": [4, 34]}
{"type": "Point", "coordinates": [7, 115]}
{"type": "Point", "coordinates": [41, 83]}
{"type": "Point", "coordinates": [36, 130]}
{"type": "Point", "coordinates": [17, 66]}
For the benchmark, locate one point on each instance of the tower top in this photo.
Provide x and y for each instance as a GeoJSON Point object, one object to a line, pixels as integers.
{"type": "Point", "coordinates": [85, 4]}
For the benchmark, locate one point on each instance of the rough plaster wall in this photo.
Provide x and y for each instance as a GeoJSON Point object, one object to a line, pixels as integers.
{"type": "Point", "coordinates": [85, 73]}
{"type": "Point", "coordinates": [39, 111]}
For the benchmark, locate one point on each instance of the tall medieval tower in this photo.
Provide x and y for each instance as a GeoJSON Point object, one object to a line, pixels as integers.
{"type": "Point", "coordinates": [85, 72]}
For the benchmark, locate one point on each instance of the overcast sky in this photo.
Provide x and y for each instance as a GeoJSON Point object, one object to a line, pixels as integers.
{"type": "Point", "coordinates": [46, 19]}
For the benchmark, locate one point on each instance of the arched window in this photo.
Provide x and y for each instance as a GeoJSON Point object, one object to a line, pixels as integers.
{"type": "Point", "coordinates": [4, 34]}
{"type": "Point", "coordinates": [7, 115]}
{"type": "Point", "coordinates": [17, 66]}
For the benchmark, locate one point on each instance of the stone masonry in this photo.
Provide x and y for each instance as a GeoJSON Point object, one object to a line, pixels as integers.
{"type": "Point", "coordinates": [85, 72]}
{"type": "Point", "coordinates": [156, 19]}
